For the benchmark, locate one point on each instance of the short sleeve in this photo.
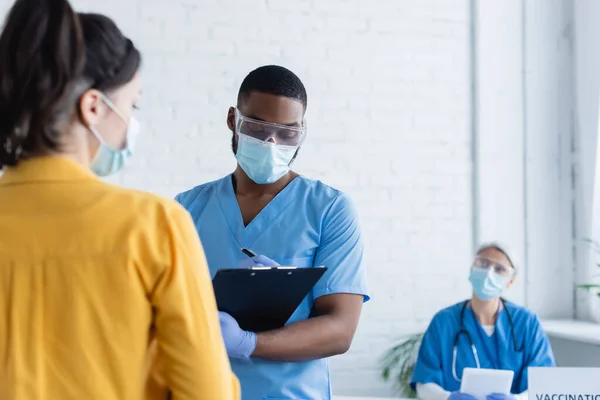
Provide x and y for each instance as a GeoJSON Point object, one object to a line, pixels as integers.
{"type": "Point", "coordinates": [428, 368]}
{"type": "Point", "coordinates": [341, 250]}
{"type": "Point", "coordinates": [540, 354]}
{"type": "Point", "coordinates": [181, 198]}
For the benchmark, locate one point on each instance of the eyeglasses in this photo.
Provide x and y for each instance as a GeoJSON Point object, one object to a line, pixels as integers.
{"type": "Point", "coordinates": [486, 263]}
{"type": "Point", "coordinates": [265, 131]}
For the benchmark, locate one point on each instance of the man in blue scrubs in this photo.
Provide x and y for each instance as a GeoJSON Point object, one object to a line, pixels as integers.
{"type": "Point", "coordinates": [286, 219]}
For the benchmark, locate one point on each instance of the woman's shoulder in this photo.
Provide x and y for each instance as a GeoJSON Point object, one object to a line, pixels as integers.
{"type": "Point", "coordinates": [139, 203]}
{"type": "Point", "coordinates": [517, 309]}
{"type": "Point", "coordinates": [521, 314]}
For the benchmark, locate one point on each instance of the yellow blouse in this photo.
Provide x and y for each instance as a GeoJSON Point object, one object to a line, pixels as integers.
{"type": "Point", "coordinates": [91, 277]}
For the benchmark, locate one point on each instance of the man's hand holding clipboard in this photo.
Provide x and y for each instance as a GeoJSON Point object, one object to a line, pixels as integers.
{"type": "Point", "coordinates": [257, 298]}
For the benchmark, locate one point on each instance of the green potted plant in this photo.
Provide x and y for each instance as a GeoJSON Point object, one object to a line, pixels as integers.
{"type": "Point", "coordinates": [398, 364]}
{"type": "Point", "coordinates": [593, 288]}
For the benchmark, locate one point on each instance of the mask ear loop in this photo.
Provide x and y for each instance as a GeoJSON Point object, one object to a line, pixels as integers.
{"type": "Point", "coordinates": [115, 109]}
{"type": "Point", "coordinates": [96, 134]}
{"type": "Point", "coordinates": [93, 129]}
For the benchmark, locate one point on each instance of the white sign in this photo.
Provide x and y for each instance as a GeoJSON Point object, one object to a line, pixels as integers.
{"type": "Point", "coordinates": [563, 383]}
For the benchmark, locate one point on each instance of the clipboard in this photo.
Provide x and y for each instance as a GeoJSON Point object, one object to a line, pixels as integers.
{"type": "Point", "coordinates": [263, 298]}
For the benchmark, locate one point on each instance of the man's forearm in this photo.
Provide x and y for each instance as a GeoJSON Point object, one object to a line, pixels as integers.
{"type": "Point", "coordinates": [314, 338]}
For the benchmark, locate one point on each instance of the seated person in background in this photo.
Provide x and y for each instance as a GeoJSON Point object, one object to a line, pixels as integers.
{"type": "Point", "coordinates": [504, 335]}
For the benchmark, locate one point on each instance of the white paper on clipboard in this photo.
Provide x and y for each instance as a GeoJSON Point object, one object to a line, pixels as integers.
{"type": "Point", "coordinates": [480, 383]}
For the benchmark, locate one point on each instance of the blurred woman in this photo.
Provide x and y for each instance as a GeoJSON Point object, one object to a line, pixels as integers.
{"type": "Point", "coordinates": [88, 270]}
{"type": "Point", "coordinates": [485, 331]}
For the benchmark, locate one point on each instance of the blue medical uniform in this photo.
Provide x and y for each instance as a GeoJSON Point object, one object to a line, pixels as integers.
{"type": "Point", "coordinates": [307, 224]}
{"type": "Point", "coordinates": [434, 362]}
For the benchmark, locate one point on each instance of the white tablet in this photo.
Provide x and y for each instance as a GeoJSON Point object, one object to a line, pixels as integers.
{"type": "Point", "coordinates": [482, 382]}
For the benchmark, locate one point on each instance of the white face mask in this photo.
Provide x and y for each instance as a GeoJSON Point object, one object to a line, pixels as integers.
{"type": "Point", "coordinates": [108, 160]}
{"type": "Point", "coordinates": [263, 162]}
{"type": "Point", "coordinates": [487, 284]}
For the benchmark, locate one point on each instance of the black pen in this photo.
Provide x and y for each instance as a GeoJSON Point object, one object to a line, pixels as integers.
{"type": "Point", "coordinates": [247, 252]}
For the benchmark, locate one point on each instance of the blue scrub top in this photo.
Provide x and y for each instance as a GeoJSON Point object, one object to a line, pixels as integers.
{"type": "Point", "coordinates": [307, 224]}
{"type": "Point", "coordinates": [434, 362]}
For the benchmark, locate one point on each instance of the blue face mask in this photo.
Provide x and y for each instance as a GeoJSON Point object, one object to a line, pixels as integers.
{"type": "Point", "coordinates": [108, 160]}
{"type": "Point", "coordinates": [486, 283]}
{"type": "Point", "coordinates": [263, 162]}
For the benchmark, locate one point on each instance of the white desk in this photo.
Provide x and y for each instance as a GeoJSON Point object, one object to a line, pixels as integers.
{"type": "Point", "coordinates": [580, 331]}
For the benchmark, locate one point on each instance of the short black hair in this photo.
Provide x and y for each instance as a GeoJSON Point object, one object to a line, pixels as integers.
{"type": "Point", "coordinates": [275, 80]}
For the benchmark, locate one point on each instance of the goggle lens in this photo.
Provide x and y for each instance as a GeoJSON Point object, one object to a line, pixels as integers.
{"type": "Point", "coordinates": [265, 131]}
{"type": "Point", "coordinates": [486, 264]}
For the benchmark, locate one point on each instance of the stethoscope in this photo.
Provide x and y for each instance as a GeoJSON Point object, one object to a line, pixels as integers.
{"type": "Point", "coordinates": [463, 331]}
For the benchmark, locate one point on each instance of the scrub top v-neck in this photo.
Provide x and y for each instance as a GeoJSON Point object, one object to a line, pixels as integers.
{"type": "Point", "coordinates": [247, 234]}
{"type": "Point", "coordinates": [435, 359]}
{"type": "Point", "coordinates": [307, 224]}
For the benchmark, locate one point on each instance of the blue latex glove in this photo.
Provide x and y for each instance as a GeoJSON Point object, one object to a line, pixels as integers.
{"type": "Point", "coordinates": [460, 396]}
{"type": "Point", "coordinates": [499, 396]}
{"type": "Point", "coordinates": [257, 261]}
{"type": "Point", "coordinates": [239, 343]}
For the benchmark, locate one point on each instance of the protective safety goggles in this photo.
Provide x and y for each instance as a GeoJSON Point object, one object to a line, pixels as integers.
{"type": "Point", "coordinates": [265, 131]}
{"type": "Point", "coordinates": [487, 264]}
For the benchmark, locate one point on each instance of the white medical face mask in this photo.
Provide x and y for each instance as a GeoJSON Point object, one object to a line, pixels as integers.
{"type": "Point", "coordinates": [108, 160]}
{"type": "Point", "coordinates": [263, 162]}
{"type": "Point", "coordinates": [487, 284]}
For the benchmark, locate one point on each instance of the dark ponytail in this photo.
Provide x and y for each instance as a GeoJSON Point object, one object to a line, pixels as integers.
{"type": "Point", "coordinates": [42, 57]}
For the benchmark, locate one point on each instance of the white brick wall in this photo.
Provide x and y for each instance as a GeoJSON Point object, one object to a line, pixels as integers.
{"type": "Point", "coordinates": [587, 28]}
{"type": "Point", "coordinates": [388, 116]}
{"type": "Point", "coordinates": [389, 86]}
